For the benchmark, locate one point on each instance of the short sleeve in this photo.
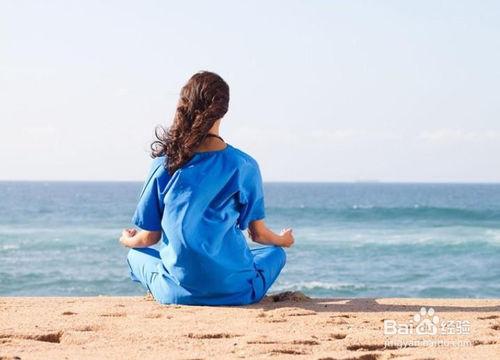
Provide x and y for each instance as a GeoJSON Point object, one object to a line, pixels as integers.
{"type": "Point", "coordinates": [251, 196]}
{"type": "Point", "coordinates": [149, 211]}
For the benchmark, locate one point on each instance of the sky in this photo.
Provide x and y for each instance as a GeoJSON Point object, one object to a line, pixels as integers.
{"type": "Point", "coordinates": [320, 90]}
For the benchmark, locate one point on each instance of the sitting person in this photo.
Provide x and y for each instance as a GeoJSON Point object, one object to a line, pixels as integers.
{"type": "Point", "coordinates": [200, 195]}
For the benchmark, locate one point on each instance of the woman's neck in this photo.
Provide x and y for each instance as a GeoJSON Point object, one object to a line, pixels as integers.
{"type": "Point", "coordinates": [212, 143]}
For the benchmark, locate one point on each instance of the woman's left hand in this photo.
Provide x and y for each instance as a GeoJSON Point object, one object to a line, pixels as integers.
{"type": "Point", "coordinates": [127, 234]}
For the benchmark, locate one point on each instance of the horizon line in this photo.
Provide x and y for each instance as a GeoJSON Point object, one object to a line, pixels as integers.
{"type": "Point", "coordinates": [361, 182]}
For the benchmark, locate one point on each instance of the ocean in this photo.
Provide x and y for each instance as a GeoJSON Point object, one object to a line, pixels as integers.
{"type": "Point", "coordinates": [352, 239]}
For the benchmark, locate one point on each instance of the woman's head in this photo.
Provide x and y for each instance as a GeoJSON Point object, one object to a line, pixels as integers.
{"type": "Point", "coordinates": [203, 101]}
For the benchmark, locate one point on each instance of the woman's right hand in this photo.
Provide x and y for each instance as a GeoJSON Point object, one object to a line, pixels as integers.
{"type": "Point", "coordinates": [287, 238]}
{"type": "Point", "coordinates": [259, 233]}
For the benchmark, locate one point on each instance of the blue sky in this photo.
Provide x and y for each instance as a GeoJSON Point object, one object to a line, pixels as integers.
{"type": "Point", "coordinates": [320, 90]}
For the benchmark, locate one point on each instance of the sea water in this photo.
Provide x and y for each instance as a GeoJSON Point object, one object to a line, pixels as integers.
{"type": "Point", "coordinates": [352, 239]}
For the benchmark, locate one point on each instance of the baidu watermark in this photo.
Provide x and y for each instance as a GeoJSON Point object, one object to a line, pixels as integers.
{"type": "Point", "coordinates": [427, 323]}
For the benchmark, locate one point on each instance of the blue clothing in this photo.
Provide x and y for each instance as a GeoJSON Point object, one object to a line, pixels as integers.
{"type": "Point", "coordinates": [201, 211]}
{"type": "Point", "coordinates": [146, 267]}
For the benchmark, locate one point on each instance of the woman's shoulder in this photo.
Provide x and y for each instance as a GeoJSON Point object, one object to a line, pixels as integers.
{"type": "Point", "coordinates": [158, 161]}
{"type": "Point", "coordinates": [158, 169]}
{"type": "Point", "coordinates": [243, 158]}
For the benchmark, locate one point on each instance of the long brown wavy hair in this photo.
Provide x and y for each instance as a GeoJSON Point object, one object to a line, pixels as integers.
{"type": "Point", "coordinates": [203, 101]}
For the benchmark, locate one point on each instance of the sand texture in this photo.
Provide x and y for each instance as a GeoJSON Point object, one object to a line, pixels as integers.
{"type": "Point", "coordinates": [283, 327]}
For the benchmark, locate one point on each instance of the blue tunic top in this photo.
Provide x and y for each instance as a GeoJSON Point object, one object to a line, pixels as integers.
{"type": "Point", "coordinates": [201, 211]}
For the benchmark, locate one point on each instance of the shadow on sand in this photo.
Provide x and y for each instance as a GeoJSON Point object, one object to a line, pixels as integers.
{"type": "Point", "coordinates": [299, 300]}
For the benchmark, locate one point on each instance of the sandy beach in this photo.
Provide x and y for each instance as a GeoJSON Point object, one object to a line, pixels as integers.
{"type": "Point", "coordinates": [280, 327]}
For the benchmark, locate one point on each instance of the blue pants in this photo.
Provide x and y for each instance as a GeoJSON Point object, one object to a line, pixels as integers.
{"type": "Point", "coordinates": [145, 267]}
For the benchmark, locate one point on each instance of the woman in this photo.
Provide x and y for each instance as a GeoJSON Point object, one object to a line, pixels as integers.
{"type": "Point", "coordinates": [199, 196]}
